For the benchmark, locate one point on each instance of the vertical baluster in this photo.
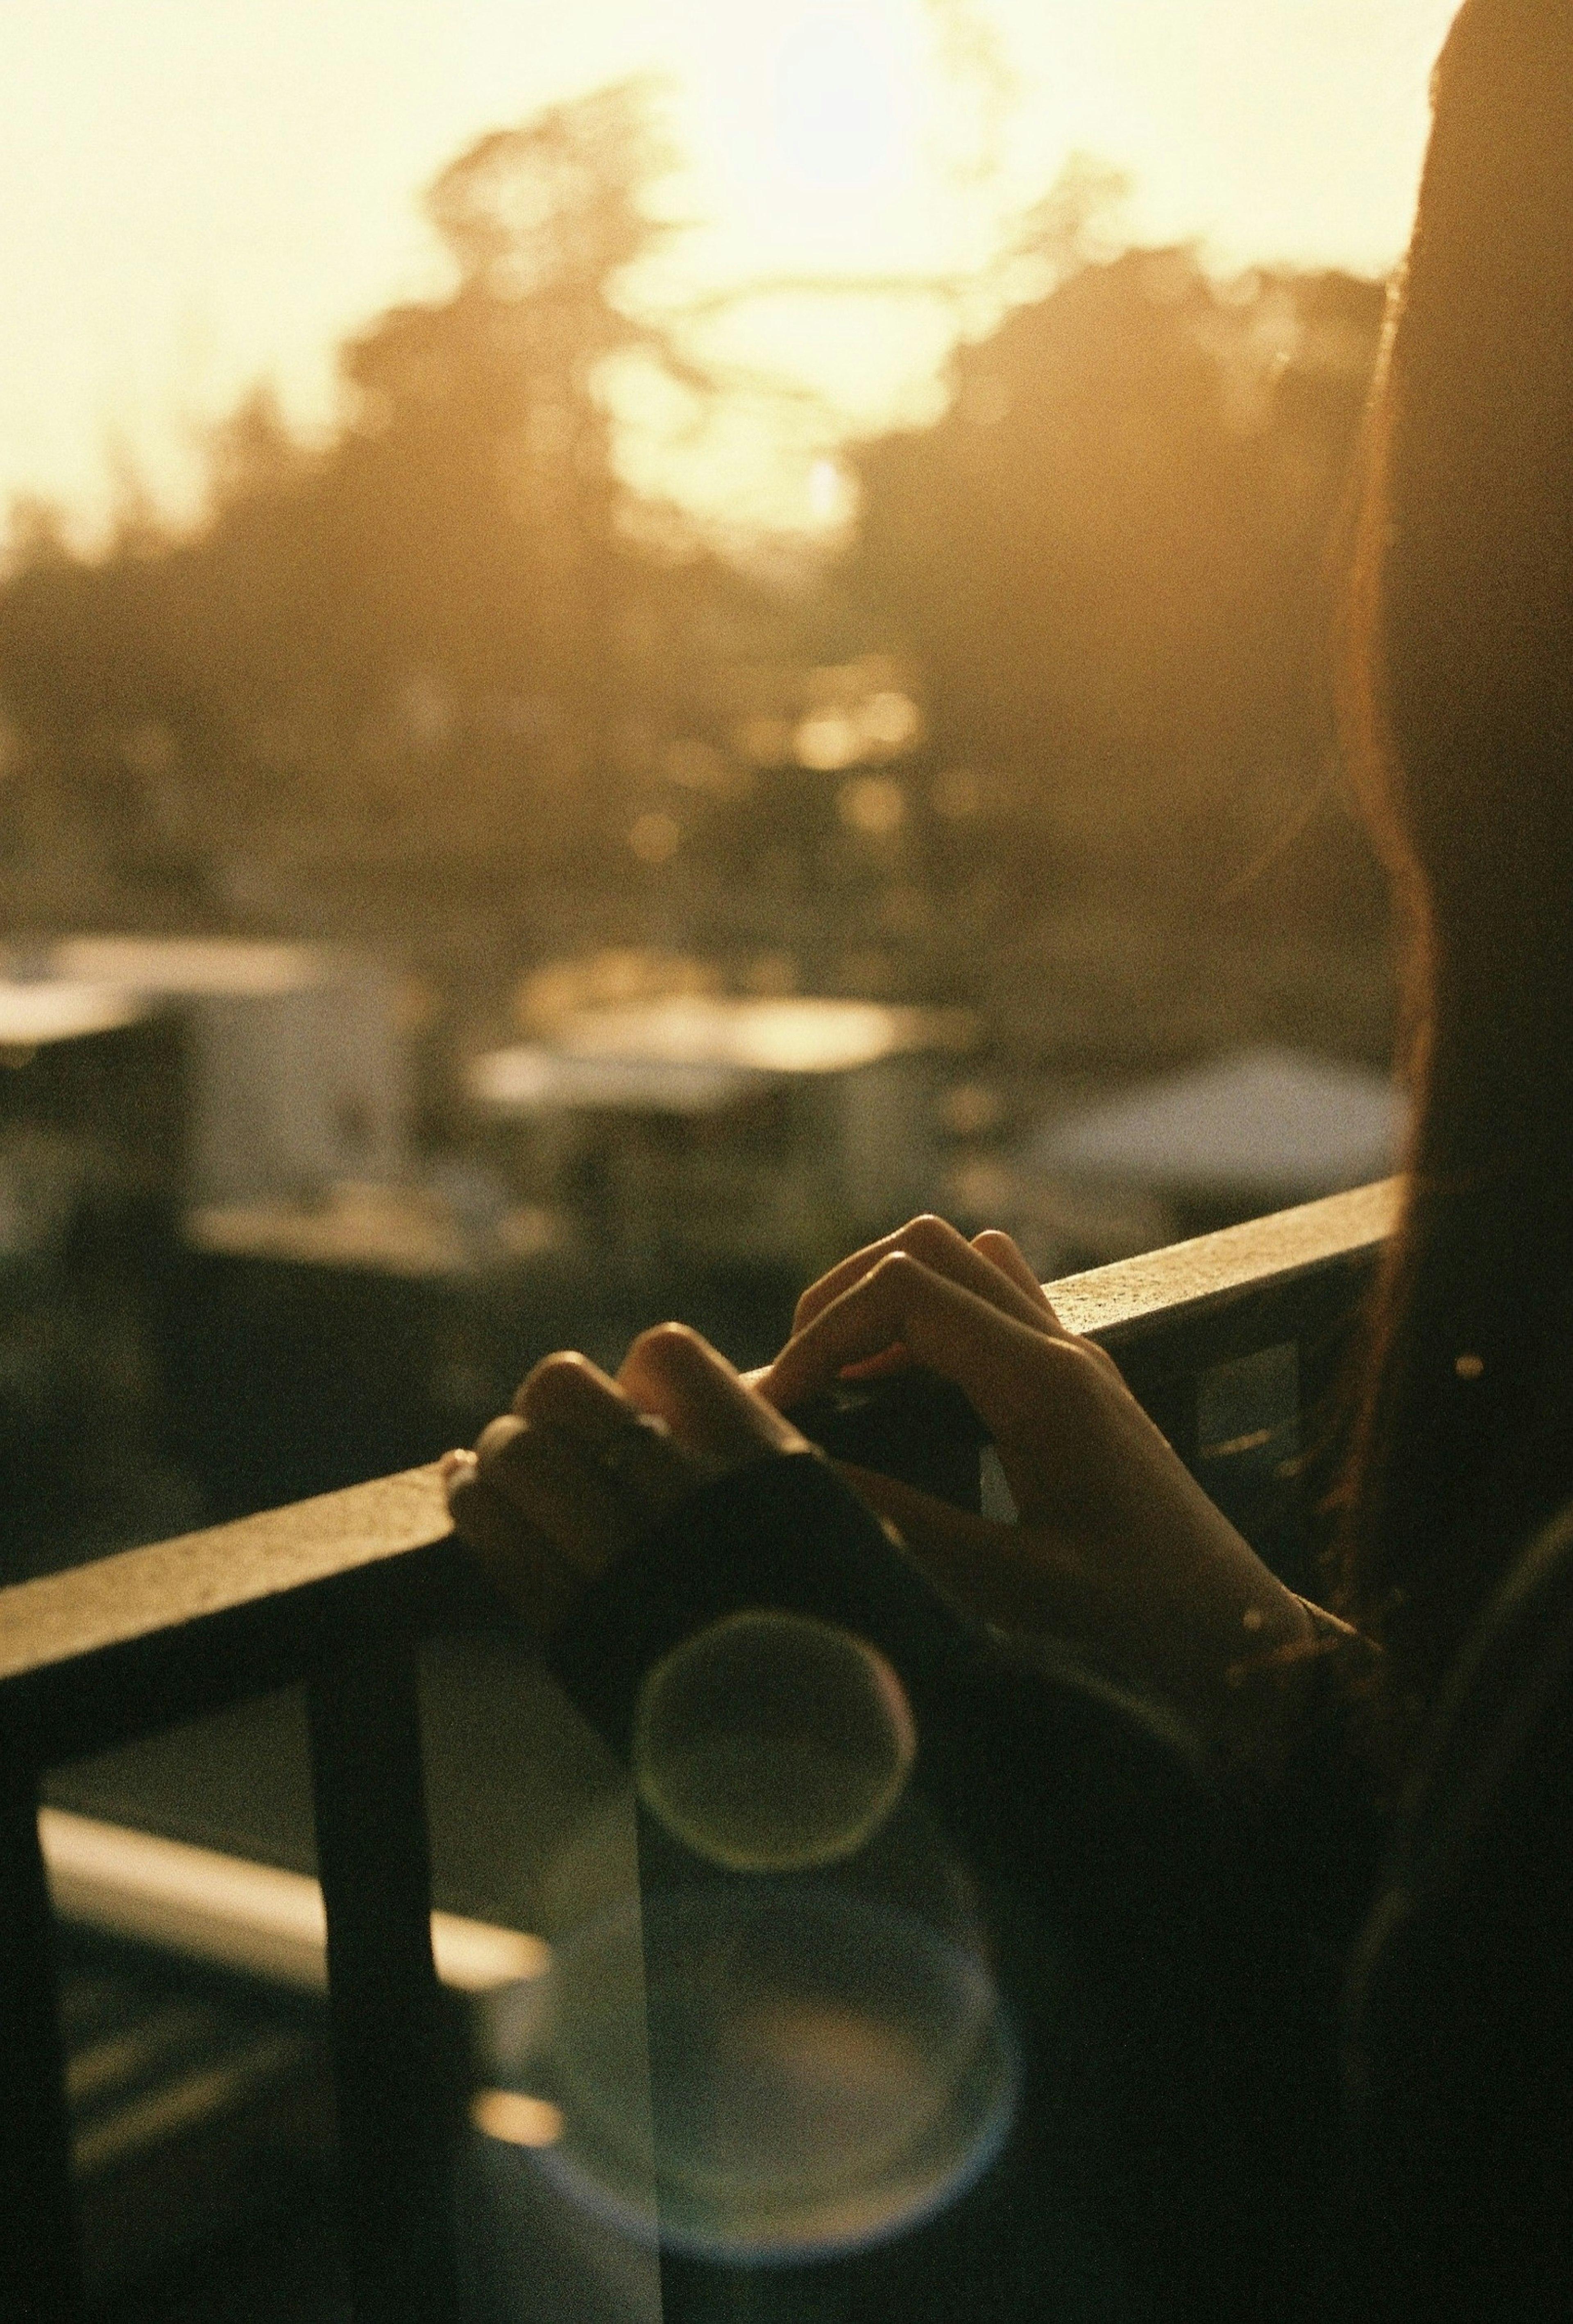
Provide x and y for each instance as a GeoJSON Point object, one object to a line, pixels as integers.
{"type": "Point", "coordinates": [40, 2255]}
{"type": "Point", "coordinates": [395, 2099]}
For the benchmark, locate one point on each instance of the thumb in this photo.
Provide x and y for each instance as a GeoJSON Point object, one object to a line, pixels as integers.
{"type": "Point", "coordinates": [984, 1568]}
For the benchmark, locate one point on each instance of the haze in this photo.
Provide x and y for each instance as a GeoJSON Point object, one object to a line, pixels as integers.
{"type": "Point", "coordinates": [198, 193]}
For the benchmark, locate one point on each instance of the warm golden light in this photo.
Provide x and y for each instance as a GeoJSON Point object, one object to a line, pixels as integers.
{"type": "Point", "coordinates": [828, 492]}
{"type": "Point", "coordinates": [198, 192]}
{"type": "Point", "coordinates": [841, 117]}
{"type": "Point", "coordinates": [808, 125]}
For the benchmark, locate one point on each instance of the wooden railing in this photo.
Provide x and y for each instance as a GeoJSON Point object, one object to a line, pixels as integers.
{"type": "Point", "coordinates": [1229, 1341]}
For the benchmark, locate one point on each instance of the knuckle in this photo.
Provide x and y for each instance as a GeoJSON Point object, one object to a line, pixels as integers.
{"type": "Point", "coordinates": [929, 1236]}
{"type": "Point", "coordinates": [558, 1381]}
{"type": "Point", "coordinates": [668, 1347]}
{"type": "Point", "coordinates": [806, 1309]}
{"type": "Point", "coordinates": [899, 1268]}
{"type": "Point", "coordinates": [1084, 1370]}
{"type": "Point", "coordinates": [1055, 1361]}
{"type": "Point", "coordinates": [497, 1439]}
{"type": "Point", "coordinates": [657, 1338]}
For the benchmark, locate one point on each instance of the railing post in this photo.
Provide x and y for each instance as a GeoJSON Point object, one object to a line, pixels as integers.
{"type": "Point", "coordinates": [395, 2103]}
{"type": "Point", "coordinates": [41, 2278]}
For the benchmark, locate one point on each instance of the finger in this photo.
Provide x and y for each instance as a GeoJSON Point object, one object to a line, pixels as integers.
{"type": "Point", "coordinates": [983, 1567]}
{"type": "Point", "coordinates": [1003, 1252]}
{"type": "Point", "coordinates": [933, 1240]}
{"type": "Point", "coordinates": [634, 1452]}
{"type": "Point", "coordinates": [588, 1377]}
{"type": "Point", "coordinates": [884, 1365]}
{"type": "Point", "coordinates": [517, 1559]}
{"type": "Point", "coordinates": [559, 1490]}
{"type": "Point", "coordinates": [994, 1358]}
{"type": "Point", "coordinates": [672, 1372]}
{"type": "Point", "coordinates": [947, 1253]}
{"type": "Point", "coordinates": [887, 1365]}
{"type": "Point", "coordinates": [921, 1521]}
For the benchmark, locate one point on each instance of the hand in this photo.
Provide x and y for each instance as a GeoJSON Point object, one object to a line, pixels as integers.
{"type": "Point", "coordinates": [1003, 1277]}
{"type": "Point", "coordinates": [1118, 1551]}
{"type": "Point", "coordinates": [583, 1465]}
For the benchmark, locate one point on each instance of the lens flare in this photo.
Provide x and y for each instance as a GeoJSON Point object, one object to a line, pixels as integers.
{"type": "Point", "coordinates": [819, 2071]}
{"type": "Point", "coordinates": [773, 1743]}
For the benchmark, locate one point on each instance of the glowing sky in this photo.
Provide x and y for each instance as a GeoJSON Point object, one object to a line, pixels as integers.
{"type": "Point", "coordinates": [197, 192]}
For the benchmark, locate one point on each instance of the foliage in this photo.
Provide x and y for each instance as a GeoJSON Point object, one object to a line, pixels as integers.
{"type": "Point", "coordinates": [450, 647]}
{"type": "Point", "coordinates": [441, 609]}
{"type": "Point", "coordinates": [1111, 557]}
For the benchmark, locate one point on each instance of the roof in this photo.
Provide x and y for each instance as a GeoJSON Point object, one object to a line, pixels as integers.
{"type": "Point", "coordinates": [1274, 1122]}
{"type": "Point", "coordinates": [531, 1078]}
{"type": "Point", "coordinates": [35, 1011]}
{"type": "Point", "coordinates": [774, 1036]}
{"type": "Point", "coordinates": [699, 1053]}
{"type": "Point", "coordinates": [191, 965]}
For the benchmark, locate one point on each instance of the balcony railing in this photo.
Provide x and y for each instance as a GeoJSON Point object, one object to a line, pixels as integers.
{"type": "Point", "coordinates": [1231, 1341]}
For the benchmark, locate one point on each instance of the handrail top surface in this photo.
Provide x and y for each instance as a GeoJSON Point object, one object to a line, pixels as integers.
{"type": "Point", "coordinates": [139, 1594]}
{"type": "Point", "coordinates": [130, 1600]}
{"type": "Point", "coordinates": [1183, 1280]}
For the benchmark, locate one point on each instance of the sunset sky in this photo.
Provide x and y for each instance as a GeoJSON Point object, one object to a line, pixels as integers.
{"type": "Point", "coordinates": [196, 193]}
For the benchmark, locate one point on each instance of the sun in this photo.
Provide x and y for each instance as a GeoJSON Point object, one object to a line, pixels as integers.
{"type": "Point", "coordinates": [810, 123]}
{"type": "Point", "coordinates": [839, 113]}
{"type": "Point", "coordinates": [811, 136]}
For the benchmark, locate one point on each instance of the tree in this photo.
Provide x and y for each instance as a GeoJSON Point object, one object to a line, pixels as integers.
{"type": "Point", "coordinates": [1109, 556]}
{"type": "Point", "coordinates": [441, 613]}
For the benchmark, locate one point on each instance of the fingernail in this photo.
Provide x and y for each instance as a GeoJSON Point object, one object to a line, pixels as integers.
{"type": "Point", "coordinates": [454, 1464]}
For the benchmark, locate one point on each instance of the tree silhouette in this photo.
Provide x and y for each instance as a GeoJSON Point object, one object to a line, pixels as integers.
{"type": "Point", "coordinates": [448, 651]}
{"type": "Point", "coordinates": [443, 608]}
{"type": "Point", "coordinates": [1110, 555]}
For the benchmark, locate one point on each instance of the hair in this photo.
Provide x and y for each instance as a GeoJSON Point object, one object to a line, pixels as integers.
{"type": "Point", "coordinates": [1459, 710]}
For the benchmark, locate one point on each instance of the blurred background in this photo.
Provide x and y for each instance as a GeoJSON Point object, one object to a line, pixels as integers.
{"type": "Point", "coordinates": [632, 647]}
{"type": "Point", "coordinates": [575, 742]}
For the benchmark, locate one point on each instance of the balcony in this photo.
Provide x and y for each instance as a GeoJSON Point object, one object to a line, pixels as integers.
{"type": "Point", "coordinates": [350, 2006]}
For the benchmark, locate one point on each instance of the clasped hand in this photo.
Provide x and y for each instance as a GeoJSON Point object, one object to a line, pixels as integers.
{"type": "Point", "coordinates": [1117, 1552]}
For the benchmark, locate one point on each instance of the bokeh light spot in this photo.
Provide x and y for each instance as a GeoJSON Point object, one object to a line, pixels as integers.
{"type": "Point", "coordinates": [890, 720]}
{"type": "Point", "coordinates": [654, 838]}
{"type": "Point", "coordinates": [827, 742]}
{"type": "Point", "coordinates": [515, 2119]}
{"type": "Point", "coordinates": [873, 805]}
{"type": "Point", "coordinates": [837, 111]}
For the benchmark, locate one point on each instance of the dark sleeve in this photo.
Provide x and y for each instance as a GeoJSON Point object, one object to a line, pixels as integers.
{"type": "Point", "coordinates": [1459, 2042]}
{"type": "Point", "coordinates": [1110, 1880]}
{"type": "Point", "coordinates": [1331, 1826]}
